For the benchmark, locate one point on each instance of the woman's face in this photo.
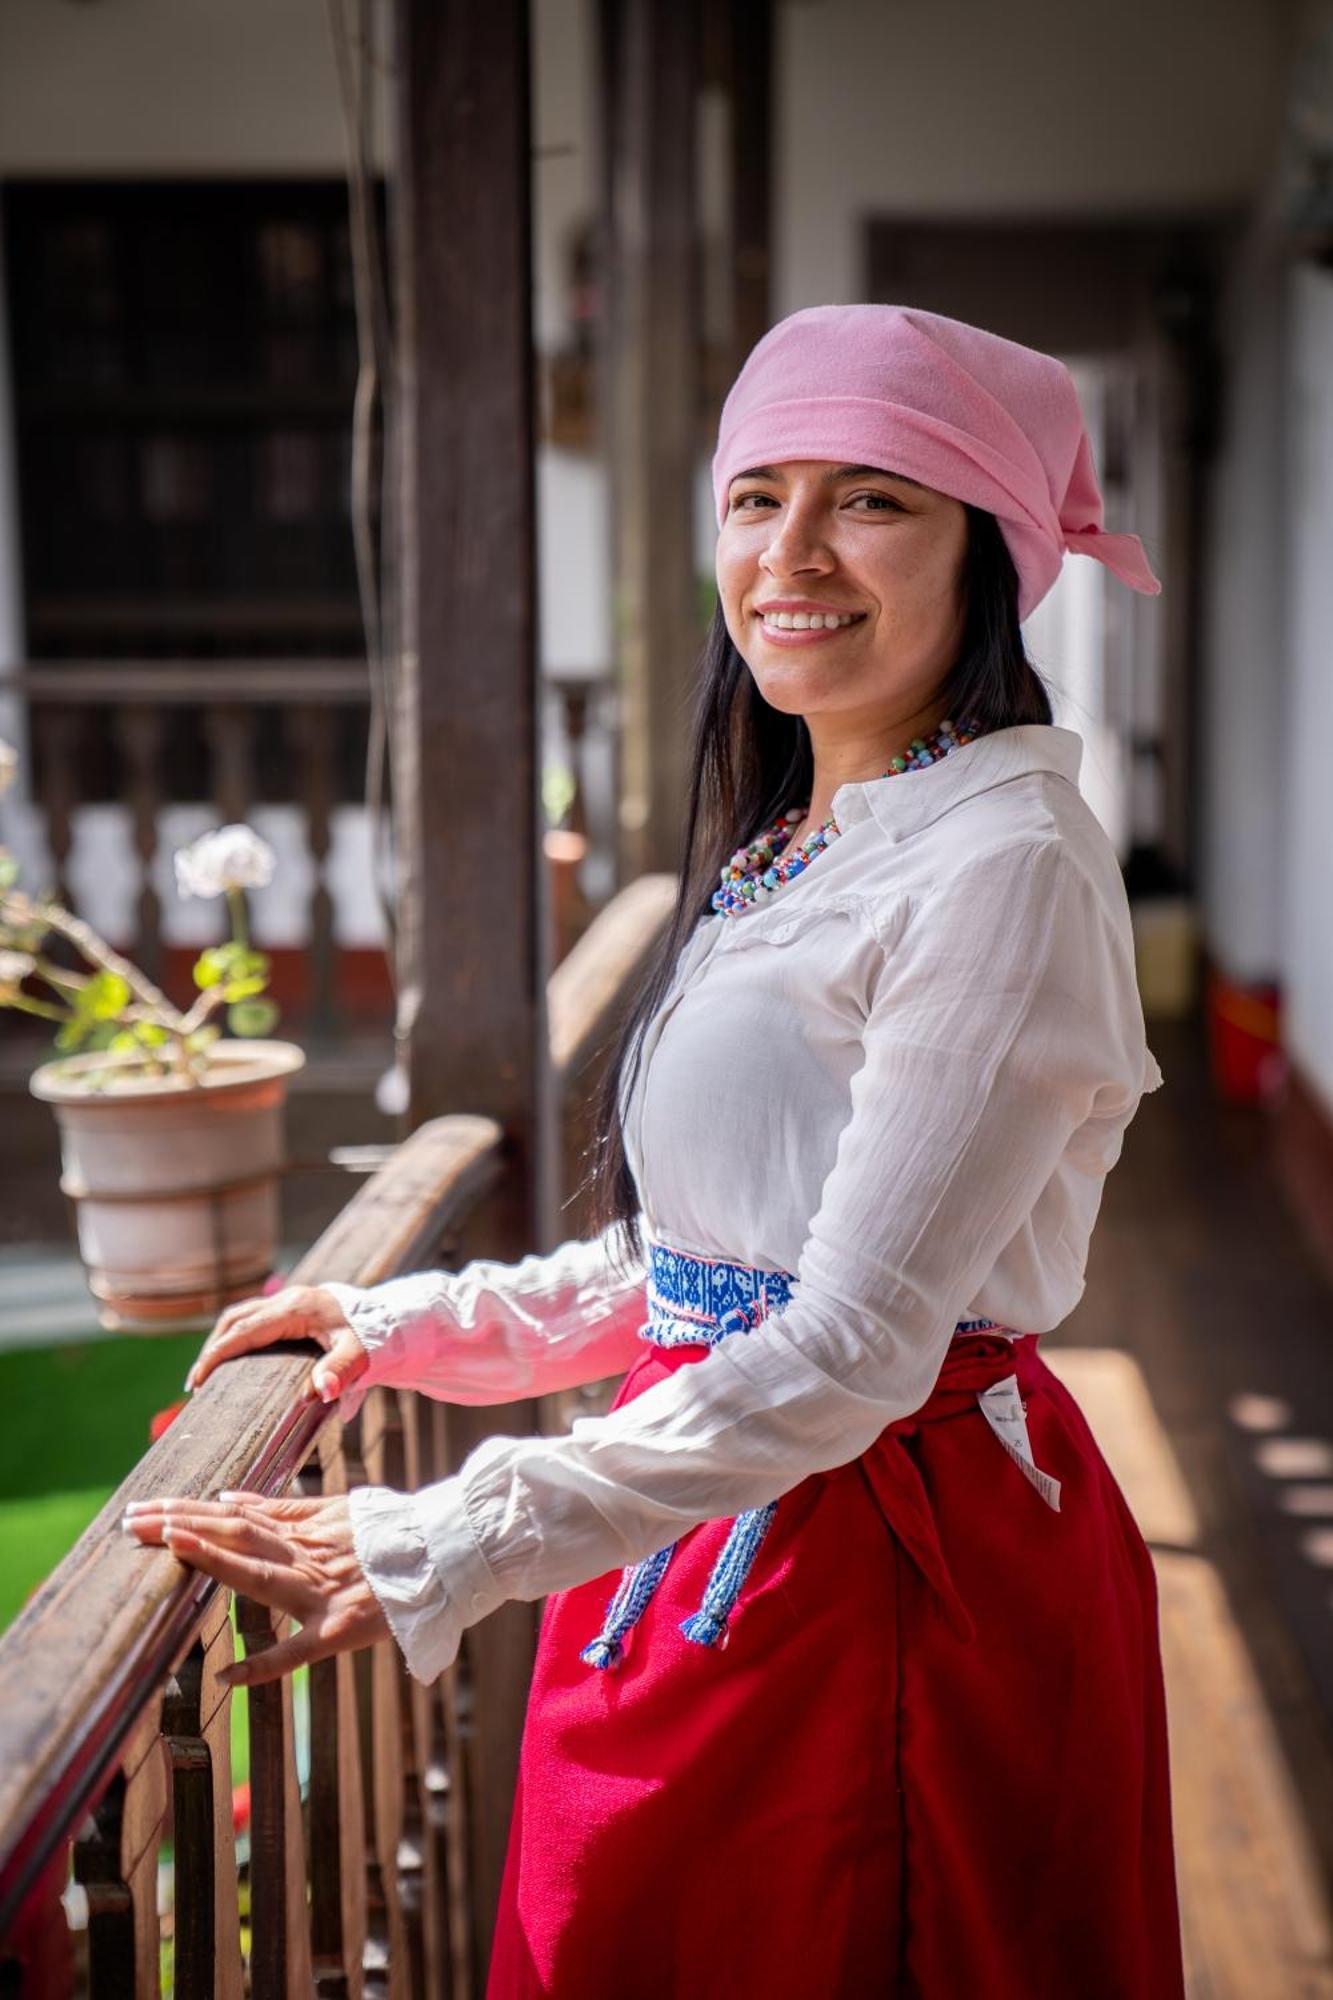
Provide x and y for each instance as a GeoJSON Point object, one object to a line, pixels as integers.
{"type": "Point", "coordinates": [885, 554]}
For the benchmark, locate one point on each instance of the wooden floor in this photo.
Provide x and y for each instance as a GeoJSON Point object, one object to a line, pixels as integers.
{"type": "Point", "coordinates": [1202, 1355]}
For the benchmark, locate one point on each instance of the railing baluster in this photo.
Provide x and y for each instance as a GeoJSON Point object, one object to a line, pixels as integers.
{"type": "Point", "coordinates": [229, 733]}
{"type": "Point", "coordinates": [140, 733]}
{"type": "Point", "coordinates": [312, 729]}
{"type": "Point", "coordinates": [280, 1926]}
{"type": "Point", "coordinates": [116, 1862]}
{"type": "Point", "coordinates": [337, 1841]}
{"type": "Point", "coordinates": [377, 1672]}
{"type": "Point", "coordinates": [196, 1719]}
{"type": "Point", "coordinates": [58, 733]}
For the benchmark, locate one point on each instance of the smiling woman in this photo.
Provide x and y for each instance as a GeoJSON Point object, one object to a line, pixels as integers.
{"type": "Point", "coordinates": [848, 1677]}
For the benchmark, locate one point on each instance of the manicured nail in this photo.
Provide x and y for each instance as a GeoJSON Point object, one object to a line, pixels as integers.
{"type": "Point", "coordinates": [326, 1384]}
{"type": "Point", "coordinates": [188, 1383]}
{"type": "Point", "coordinates": [137, 1506]}
{"type": "Point", "coordinates": [232, 1677]}
{"type": "Point", "coordinates": [229, 1496]}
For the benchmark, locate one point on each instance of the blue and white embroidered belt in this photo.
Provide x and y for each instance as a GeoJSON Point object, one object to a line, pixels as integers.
{"type": "Point", "coordinates": [699, 1301]}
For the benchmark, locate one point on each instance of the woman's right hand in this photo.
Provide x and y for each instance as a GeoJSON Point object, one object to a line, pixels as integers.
{"type": "Point", "coordinates": [301, 1312]}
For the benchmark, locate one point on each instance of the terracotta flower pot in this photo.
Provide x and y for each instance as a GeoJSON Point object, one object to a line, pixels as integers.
{"type": "Point", "coordinates": [175, 1185]}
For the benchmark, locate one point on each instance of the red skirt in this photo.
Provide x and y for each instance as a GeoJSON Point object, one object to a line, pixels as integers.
{"type": "Point", "coordinates": [931, 1760]}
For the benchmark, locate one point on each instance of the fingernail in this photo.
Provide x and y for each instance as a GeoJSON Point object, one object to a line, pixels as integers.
{"type": "Point", "coordinates": [137, 1506]}
{"type": "Point", "coordinates": [188, 1383]}
{"type": "Point", "coordinates": [231, 1677]}
{"type": "Point", "coordinates": [126, 1524]}
{"type": "Point", "coordinates": [326, 1384]}
{"type": "Point", "coordinates": [231, 1496]}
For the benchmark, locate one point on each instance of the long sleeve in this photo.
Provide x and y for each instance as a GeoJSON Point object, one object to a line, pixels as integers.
{"type": "Point", "coordinates": [995, 1031]}
{"type": "Point", "coordinates": [495, 1332]}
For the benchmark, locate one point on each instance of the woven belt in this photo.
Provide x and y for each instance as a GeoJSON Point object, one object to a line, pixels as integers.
{"type": "Point", "coordinates": [699, 1301]}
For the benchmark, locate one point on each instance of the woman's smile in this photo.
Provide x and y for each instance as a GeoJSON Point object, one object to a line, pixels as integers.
{"type": "Point", "coordinates": [800, 621]}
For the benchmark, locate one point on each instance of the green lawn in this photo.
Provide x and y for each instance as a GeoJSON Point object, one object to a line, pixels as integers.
{"type": "Point", "coordinates": [76, 1421]}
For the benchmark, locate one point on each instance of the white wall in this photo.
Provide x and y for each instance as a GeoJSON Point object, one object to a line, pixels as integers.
{"type": "Point", "coordinates": [168, 87]}
{"type": "Point", "coordinates": [1036, 106]}
{"type": "Point", "coordinates": [1243, 752]}
{"type": "Point", "coordinates": [1304, 728]}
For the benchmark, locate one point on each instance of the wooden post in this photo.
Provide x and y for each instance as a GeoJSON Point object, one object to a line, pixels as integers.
{"type": "Point", "coordinates": [471, 930]}
{"type": "Point", "coordinates": [651, 59]}
{"type": "Point", "coordinates": [750, 86]}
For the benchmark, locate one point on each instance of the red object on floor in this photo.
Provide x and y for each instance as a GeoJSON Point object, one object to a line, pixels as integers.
{"type": "Point", "coordinates": [164, 1420]}
{"type": "Point", "coordinates": [854, 1797]}
{"type": "Point", "coordinates": [1244, 1028]}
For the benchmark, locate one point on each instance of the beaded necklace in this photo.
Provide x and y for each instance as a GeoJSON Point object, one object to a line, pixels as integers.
{"type": "Point", "coordinates": [757, 871]}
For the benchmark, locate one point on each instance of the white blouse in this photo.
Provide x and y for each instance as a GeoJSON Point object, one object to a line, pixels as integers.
{"type": "Point", "coordinates": [904, 1078]}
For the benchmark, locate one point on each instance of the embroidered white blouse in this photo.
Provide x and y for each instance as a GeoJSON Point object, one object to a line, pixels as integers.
{"type": "Point", "coordinates": [904, 1078]}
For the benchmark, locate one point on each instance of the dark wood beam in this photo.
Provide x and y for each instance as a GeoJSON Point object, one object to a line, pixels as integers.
{"type": "Point", "coordinates": [471, 925]}
{"type": "Point", "coordinates": [750, 52]}
{"type": "Point", "coordinates": [651, 65]}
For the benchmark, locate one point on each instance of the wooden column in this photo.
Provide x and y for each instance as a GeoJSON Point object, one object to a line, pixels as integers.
{"type": "Point", "coordinates": [651, 62]}
{"type": "Point", "coordinates": [750, 87]}
{"type": "Point", "coordinates": [467, 809]}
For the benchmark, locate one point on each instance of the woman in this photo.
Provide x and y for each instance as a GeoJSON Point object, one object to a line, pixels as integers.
{"type": "Point", "coordinates": [848, 1679]}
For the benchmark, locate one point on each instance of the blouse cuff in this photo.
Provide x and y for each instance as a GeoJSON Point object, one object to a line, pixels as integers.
{"type": "Point", "coordinates": [369, 1318]}
{"type": "Point", "coordinates": [421, 1559]}
{"type": "Point", "coordinates": [374, 1326]}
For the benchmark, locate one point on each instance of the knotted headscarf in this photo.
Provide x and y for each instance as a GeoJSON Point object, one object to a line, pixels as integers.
{"type": "Point", "coordinates": [983, 419]}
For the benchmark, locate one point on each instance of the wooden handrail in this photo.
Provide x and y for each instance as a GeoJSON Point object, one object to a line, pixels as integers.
{"type": "Point", "coordinates": [109, 1622]}
{"type": "Point", "coordinates": [189, 683]}
{"type": "Point", "coordinates": [590, 985]}
{"type": "Point", "coordinates": [110, 1702]}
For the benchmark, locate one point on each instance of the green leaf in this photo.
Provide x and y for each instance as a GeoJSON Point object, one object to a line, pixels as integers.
{"type": "Point", "coordinates": [230, 964]}
{"type": "Point", "coordinates": [243, 989]}
{"type": "Point", "coordinates": [252, 1017]}
{"type": "Point", "coordinates": [210, 968]}
{"type": "Point", "coordinates": [104, 997]}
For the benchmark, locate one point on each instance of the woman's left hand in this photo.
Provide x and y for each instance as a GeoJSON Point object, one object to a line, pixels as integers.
{"type": "Point", "coordinates": [296, 1556]}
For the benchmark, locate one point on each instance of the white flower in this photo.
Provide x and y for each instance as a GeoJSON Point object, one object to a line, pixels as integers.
{"type": "Point", "coordinates": [230, 857]}
{"type": "Point", "coordinates": [9, 765]}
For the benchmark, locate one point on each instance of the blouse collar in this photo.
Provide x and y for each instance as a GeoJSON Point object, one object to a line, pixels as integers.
{"type": "Point", "coordinates": [910, 800]}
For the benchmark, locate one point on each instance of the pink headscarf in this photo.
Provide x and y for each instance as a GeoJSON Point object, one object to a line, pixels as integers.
{"type": "Point", "coordinates": [985, 420]}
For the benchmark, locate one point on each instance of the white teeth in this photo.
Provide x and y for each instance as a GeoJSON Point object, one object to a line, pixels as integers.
{"type": "Point", "coordinates": [807, 621]}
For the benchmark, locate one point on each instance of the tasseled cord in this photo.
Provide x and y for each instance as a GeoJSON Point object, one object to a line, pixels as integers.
{"type": "Point", "coordinates": [708, 1625]}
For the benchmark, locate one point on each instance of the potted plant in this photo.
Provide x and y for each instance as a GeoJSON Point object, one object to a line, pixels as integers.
{"type": "Point", "coordinates": [171, 1132]}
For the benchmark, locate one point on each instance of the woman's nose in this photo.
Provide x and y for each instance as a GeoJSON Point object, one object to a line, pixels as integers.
{"type": "Point", "coordinates": [795, 544]}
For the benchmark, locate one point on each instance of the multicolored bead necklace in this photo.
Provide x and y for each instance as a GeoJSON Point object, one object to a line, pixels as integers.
{"type": "Point", "coordinates": [754, 873]}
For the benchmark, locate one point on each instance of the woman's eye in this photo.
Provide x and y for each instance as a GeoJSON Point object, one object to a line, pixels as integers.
{"type": "Point", "coordinates": [750, 503]}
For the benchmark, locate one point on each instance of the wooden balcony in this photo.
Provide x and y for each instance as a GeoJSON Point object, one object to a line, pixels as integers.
{"type": "Point", "coordinates": [114, 1730]}
{"type": "Point", "coordinates": [234, 734]}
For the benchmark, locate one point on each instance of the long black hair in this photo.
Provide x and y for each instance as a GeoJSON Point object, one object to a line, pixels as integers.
{"type": "Point", "coordinates": [750, 762]}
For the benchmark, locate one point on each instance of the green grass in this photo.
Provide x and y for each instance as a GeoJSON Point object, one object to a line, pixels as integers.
{"type": "Point", "coordinates": [75, 1423]}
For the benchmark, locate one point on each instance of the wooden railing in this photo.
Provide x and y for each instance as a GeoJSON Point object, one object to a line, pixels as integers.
{"type": "Point", "coordinates": [114, 1729]}
{"type": "Point", "coordinates": [232, 733]}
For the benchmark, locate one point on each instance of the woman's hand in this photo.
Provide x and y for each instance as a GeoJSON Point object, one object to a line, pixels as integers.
{"type": "Point", "coordinates": [301, 1312]}
{"type": "Point", "coordinates": [296, 1556]}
